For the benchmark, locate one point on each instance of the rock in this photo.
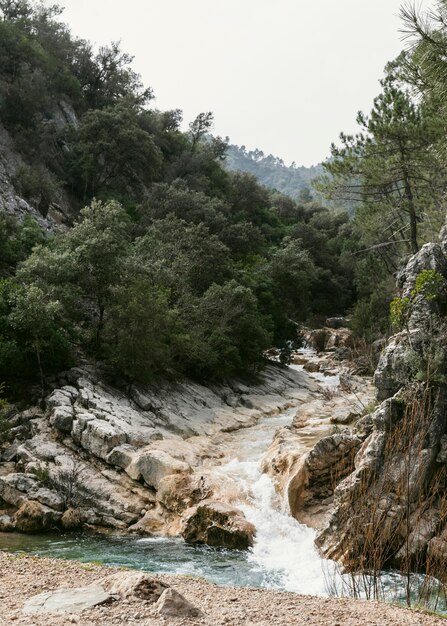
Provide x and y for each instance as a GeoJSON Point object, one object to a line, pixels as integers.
{"type": "Point", "coordinates": [312, 367]}
{"type": "Point", "coordinates": [181, 491]}
{"type": "Point", "coordinates": [49, 498]}
{"type": "Point", "coordinates": [153, 465]}
{"type": "Point", "coordinates": [394, 483]}
{"type": "Point", "coordinates": [64, 601]}
{"type": "Point", "coordinates": [134, 585]}
{"type": "Point", "coordinates": [72, 519]}
{"type": "Point", "coordinates": [218, 525]}
{"type": "Point", "coordinates": [173, 604]}
{"type": "Point", "coordinates": [6, 523]}
{"type": "Point", "coordinates": [346, 419]}
{"type": "Point", "coordinates": [59, 398]}
{"type": "Point", "coordinates": [62, 418]}
{"type": "Point", "coordinates": [121, 456]}
{"type": "Point", "coordinates": [33, 517]}
{"type": "Point", "coordinates": [146, 401]}
{"type": "Point", "coordinates": [318, 472]}
{"type": "Point", "coordinates": [99, 437]}
{"type": "Point", "coordinates": [298, 360]}
{"type": "Point", "coordinates": [337, 322]}
{"type": "Point", "coordinates": [442, 455]}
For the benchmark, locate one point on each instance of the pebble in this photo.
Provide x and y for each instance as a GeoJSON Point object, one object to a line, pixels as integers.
{"type": "Point", "coordinates": [20, 576]}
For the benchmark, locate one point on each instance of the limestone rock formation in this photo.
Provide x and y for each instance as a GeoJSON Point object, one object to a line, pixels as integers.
{"type": "Point", "coordinates": [95, 456]}
{"type": "Point", "coordinates": [390, 506]}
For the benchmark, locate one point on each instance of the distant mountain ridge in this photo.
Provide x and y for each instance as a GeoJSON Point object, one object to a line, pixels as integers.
{"type": "Point", "coordinates": [271, 171]}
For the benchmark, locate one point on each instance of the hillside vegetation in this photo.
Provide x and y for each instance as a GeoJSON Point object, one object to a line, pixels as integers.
{"type": "Point", "coordinates": [172, 264]}
{"type": "Point", "coordinates": [169, 262]}
{"type": "Point", "coordinates": [292, 180]}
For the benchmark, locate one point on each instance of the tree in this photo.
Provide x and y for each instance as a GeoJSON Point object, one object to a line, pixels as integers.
{"type": "Point", "coordinates": [139, 330]}
{"type": "Point", "coordinates": [224, 333]}
{"type": "Point", "coordinates": [82, 267]}
{"type": "Point", "coordinates": [200, 127]}
{"type": "Point", "coordinates": [38, 322]}
{"type": "Point", "coordinates": [113, 153]}
{"type": "Point", "coordinates": [182, 257]}
{"type": "Point", "coordinates": [15, 10]}
{"type": "Point", "coordinates": [107, 78]}
{"type": "Point", "coordinates": [391, 166]}
{"type": "Point", "coordinates": [292, 273]}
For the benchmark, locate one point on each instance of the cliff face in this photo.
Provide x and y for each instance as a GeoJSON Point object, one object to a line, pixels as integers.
{"type": "Point", "coordinates": [12, 201]}
{"type": "Point", "coordinates": [391, 509]}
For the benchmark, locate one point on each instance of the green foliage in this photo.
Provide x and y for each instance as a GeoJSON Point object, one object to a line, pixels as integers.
{"type": "Point", "coordinates": [37, 186]}
{"type": "Point", "coordinates": [140, 331]}
{"type": "Point", "coordinates": [224, 333]}
{"type": "Point", "coordinates": [175, 264]}
{"type": "Point", "coordinates": [114, 155]}
{"type": "Point", "coordinates": [429, 284]}
{"type": "Point", "coordinates": [399, 311]}
{"type": "Point", "coordinates": [427, 363]}
{"type": "Point", "coordinates": [42, 473]}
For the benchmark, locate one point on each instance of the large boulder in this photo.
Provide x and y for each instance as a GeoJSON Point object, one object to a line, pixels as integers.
{"type": "Point", "coordinates": [33, 517]}
{"type": "Point", "coordinates": [218, 525]}
{"type": "Point", "coordinates": [317, 473]}
{"type": "Point", "coordinates": [134, 585]}
{"type": "Point", "coordinates": [153, 465]}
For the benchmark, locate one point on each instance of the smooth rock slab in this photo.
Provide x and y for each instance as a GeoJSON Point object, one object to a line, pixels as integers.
{"type": "Point", "coordinates": [67, 600]}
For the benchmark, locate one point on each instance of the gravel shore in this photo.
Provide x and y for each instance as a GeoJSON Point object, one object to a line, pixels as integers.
{"type": "Point", "coordinates": [24, 576]}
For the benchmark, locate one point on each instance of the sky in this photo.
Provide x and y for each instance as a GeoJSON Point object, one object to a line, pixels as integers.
{"type": "Point", "coordinates": [284, 76]}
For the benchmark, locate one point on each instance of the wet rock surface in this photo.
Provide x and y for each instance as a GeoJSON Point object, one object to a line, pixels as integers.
{"type": "Point", "coordinates": [217, 524]}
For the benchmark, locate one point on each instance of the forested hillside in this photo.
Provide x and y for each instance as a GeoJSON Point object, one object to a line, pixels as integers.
{"type": "Point", "coordinates": [294, 181]}
{"type": "Point", "coordinates": [171, 264]}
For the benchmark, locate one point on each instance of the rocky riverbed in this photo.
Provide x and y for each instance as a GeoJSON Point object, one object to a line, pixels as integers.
{"type": "Point", "coordinates": [135, 604]}
{"type": "Point", "coordinates": [154, 460]}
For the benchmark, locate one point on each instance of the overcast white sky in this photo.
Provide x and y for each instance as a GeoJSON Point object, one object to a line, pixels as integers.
{"type": "Point", "coordinates": [285, 76]}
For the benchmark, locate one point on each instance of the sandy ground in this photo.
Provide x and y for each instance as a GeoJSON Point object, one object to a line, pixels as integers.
{"type": "Point", "coordinates": [24, 576]}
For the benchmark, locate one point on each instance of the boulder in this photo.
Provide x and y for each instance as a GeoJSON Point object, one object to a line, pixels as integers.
{"type": "Point", "coordinates": [178, 492]}
{"type": "Point", "coordinates": [99, 437]}
{"type": "Point", "coordinates": [134, 585]}
{"type": "Point", "coordinates": [62, 418]}
{"type": "Point", "coordinates": [33, 517]}
{"type": "Point", "coordinates": [153, 465]}
{"type": "Point", "coordinates": [312, 367]}
{"type": "Point", "coordinates": [218, 525]}
{"type": "Point", "coordinates": [173, 604]}
{"type": "Point", "coordinates": [317, 473]}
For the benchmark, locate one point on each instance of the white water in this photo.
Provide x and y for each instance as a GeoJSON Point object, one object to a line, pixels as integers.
{"type": "Point", "coordinates": [284, 549]}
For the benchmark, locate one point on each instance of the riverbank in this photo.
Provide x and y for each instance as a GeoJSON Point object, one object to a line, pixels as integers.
{"type": "Point", "coordinates": [25, 576]}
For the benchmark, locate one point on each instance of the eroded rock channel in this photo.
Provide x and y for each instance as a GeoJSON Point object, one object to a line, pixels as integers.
{"type": "Point", "coordinates": [232, 466]}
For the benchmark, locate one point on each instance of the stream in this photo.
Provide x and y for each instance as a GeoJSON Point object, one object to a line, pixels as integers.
{"type": "Point", "coordinates": [283, 556]}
